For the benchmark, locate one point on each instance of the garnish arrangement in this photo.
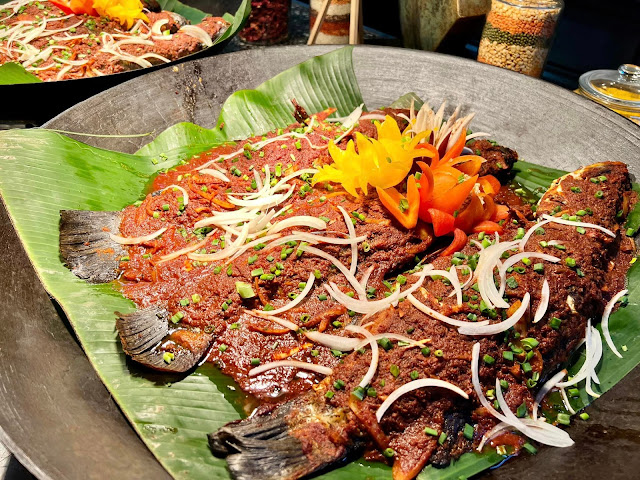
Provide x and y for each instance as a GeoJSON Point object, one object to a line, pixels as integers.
{"type": "Point", "coordinates": [68, 39]}
{"type": "Point", "coordinates": [387, 283]}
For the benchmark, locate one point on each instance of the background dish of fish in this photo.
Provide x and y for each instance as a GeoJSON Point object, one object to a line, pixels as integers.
{"type": "Point", "coordinates": [58, 417]}
{"type": "Point", "coordinates": [35, 103]}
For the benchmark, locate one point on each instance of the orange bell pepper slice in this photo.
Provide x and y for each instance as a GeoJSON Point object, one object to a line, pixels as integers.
{"type": "Point", "coordinates": [469, 164]}
{"type": "Point", "coordinates": [457, 244]}
{"type": "Point", "coordinates": [451, 199]}
{"type": "Point", "coordinates": [442, 222]}
{"type": "Point", "coordinates": [426, 183]}
{"type": "Point", "coordinates": [489, 184]}
{"type": "Point", "coordinates": [501, 213]}
{"type": "Point", "coordinates": [405, 210]}
{"type": "Point", "coordinates": [435, 159]}
{"type": "Point", "coordinates": [456, 149]}
{"type": "Point", "coordinates": [487, 226]}
{"type": "Point", "coordinates": [471, 215]}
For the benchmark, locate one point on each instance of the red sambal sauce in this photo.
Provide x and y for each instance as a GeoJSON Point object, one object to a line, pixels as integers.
{"type": "Point", "coordinates": [193, 289]}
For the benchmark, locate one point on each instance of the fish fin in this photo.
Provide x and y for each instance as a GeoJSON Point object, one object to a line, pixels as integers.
{"type": "Point", "coordinates": [142, 332]}
{"type": "Point", "coordinates": [85, 245]}
{"type": "Point", "coordinates": [261, 447]}
{"type": "Point", "coordinates": [454, 422]}
{"type": "Point", "coordinates": [296, 439]}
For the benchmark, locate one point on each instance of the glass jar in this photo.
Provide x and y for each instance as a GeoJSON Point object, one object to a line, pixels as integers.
{"type": "Point", "coordinates": [268, 23]}
{"type": "Point", "coordinates": [518, 34]}
{"type": "Point", "coordinates": [617, 90]}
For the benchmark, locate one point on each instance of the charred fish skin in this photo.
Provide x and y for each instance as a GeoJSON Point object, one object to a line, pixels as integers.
{"type": "Point", "coordinates": [85, 246]}
{"type": "Point", "coordinates": [146, 337]}
{"type": "Point", "coordinates": [296, 439]}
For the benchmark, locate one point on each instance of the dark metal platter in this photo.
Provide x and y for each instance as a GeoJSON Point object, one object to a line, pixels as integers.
{"type": "Point", "coordinates": [35, 103]}
{"type": "Point", "coordinates": [56, 415]}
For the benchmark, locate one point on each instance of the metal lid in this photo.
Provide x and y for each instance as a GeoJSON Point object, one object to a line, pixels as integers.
{"type": "Point", "coordinates": [615, 89]}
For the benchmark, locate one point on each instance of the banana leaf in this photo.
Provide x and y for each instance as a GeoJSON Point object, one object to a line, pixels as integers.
{"type": "Point", "coordinates": [173, 414]}
{"type": "Point", "coordinates": [15, 73]}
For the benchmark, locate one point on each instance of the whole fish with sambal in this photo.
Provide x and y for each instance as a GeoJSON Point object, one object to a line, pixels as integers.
{"type": "Point", "coordinates": [375, 283]}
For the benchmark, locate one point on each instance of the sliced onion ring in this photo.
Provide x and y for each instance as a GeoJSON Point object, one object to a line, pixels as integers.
{"type": "Point", "coordinates": [605, 321]}
{"type": "Point", "coordinates": [544, 302]}
{"type": "Point", "coordinates": [290, 363]}
{"type": "Point", "coordinates": [579, 224]}
{"type": "Point", "coordinates": [136, 240]}
{"type": "Point", "coordinates": [415, 384]}
{"type": "Point", "coordinates": [477, 329]}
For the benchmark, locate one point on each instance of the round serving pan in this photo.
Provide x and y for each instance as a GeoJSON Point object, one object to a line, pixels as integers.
{"type": "Point", "coordinates": [35, 103]}
{"type": "Point", "coordinates": [58, 418]}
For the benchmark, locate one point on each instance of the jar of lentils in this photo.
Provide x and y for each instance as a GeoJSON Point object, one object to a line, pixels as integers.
{"type": "Point", "coordinates": [518, 34]}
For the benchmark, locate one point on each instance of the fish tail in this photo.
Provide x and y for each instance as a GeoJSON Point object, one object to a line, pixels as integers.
{"type": "Point", "coordinates": [296, 439]}
{"type": "Point", "coordinates": [85, 246]}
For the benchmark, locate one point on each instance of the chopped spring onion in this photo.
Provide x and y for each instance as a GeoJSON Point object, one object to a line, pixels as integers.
{"type": "Point", "coordinates": [136, 240]}
{"type": "Point", "coordinates": [413, 385]}
{"type": "Point", "coordinates": [245, 290]}
{"type": "Point", "coordinates": [290, 363]}
{"type": "Point", "coordinates": [605, 321]}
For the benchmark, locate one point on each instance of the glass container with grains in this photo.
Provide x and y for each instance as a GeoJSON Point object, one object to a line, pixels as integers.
{"type": "Point", "coordinates": [518, 34]}
{"type": "Point", "coordinates": [619, 91]}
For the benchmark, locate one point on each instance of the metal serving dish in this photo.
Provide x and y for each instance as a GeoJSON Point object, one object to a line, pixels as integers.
{"type": "Point", "coordinates": [58, 418]}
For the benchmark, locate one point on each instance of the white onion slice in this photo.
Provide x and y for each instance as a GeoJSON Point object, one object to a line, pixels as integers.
{"type": "Point", "coordinates": [280, 321]}
{"type": "Point", "coordinates": [527, 235]}
{"type": "Point", "coordinates": [298, 221]}
{"type": "Point", "coordinates": [579, 224]}
{"type": "Point", "coordinates": [352, 118]}
{"type": "Point", "coordinates": [546, 388]}
{"type": "Point", "coordinates": [313, 238]}
{"type": "Point", "coordinates": [375, 353]}
{"type": "Point", "coordinates": [365, 276]}
{"type": "Point", "coordinates": [566, 402]}
{"type": "Point", "coordinates": [226, 252]}
{"type": "Point", "coordinates": [156, 29]}
{"type": "Point", "coordinates": [352, 234]}
{"type": "Point", "coordinates": [290, 363]}
{"type": "Point", "coordinates": [439, 316]}
{"type": "Point", "coordinates": [197, 33]}
{"type": "Point", "coordinates": [378, 116]}
{"type": "Point", "coordinates": [295, 301]}
{"type": "Point", "coordinates": [182, 251]}
{"type": "Point", "coordinates": [492, 433]}
{"type": "Point", "coordinates": [477, 329]}
{"type": "Point", "coordinates": [413, 385]}
{"type": "Point", "coordinates": [251, 244]}
{"type": "Point", "coordinates": [214, 173]}
{"type": "Point", "coordinates": [335, 342]}
{"type": "Point", "coordinates": [136, 240]}
{"type": "Point", "coordinates": [513, 259]}
{"type": "Point", "coordinates": [371, 306]}
{"type": "Point", "coordinates": [605, 321]}
{"type": "Point", "coordinates": [345, 271]}
{"type": "Point", "coordinates": [467, 281]}
{"type": "Point", "coordinates": [544, 302]}
{"type": "Point", "coordinates": [185, 195]}
{"type": "Point", "coordinates": [489, 259]}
